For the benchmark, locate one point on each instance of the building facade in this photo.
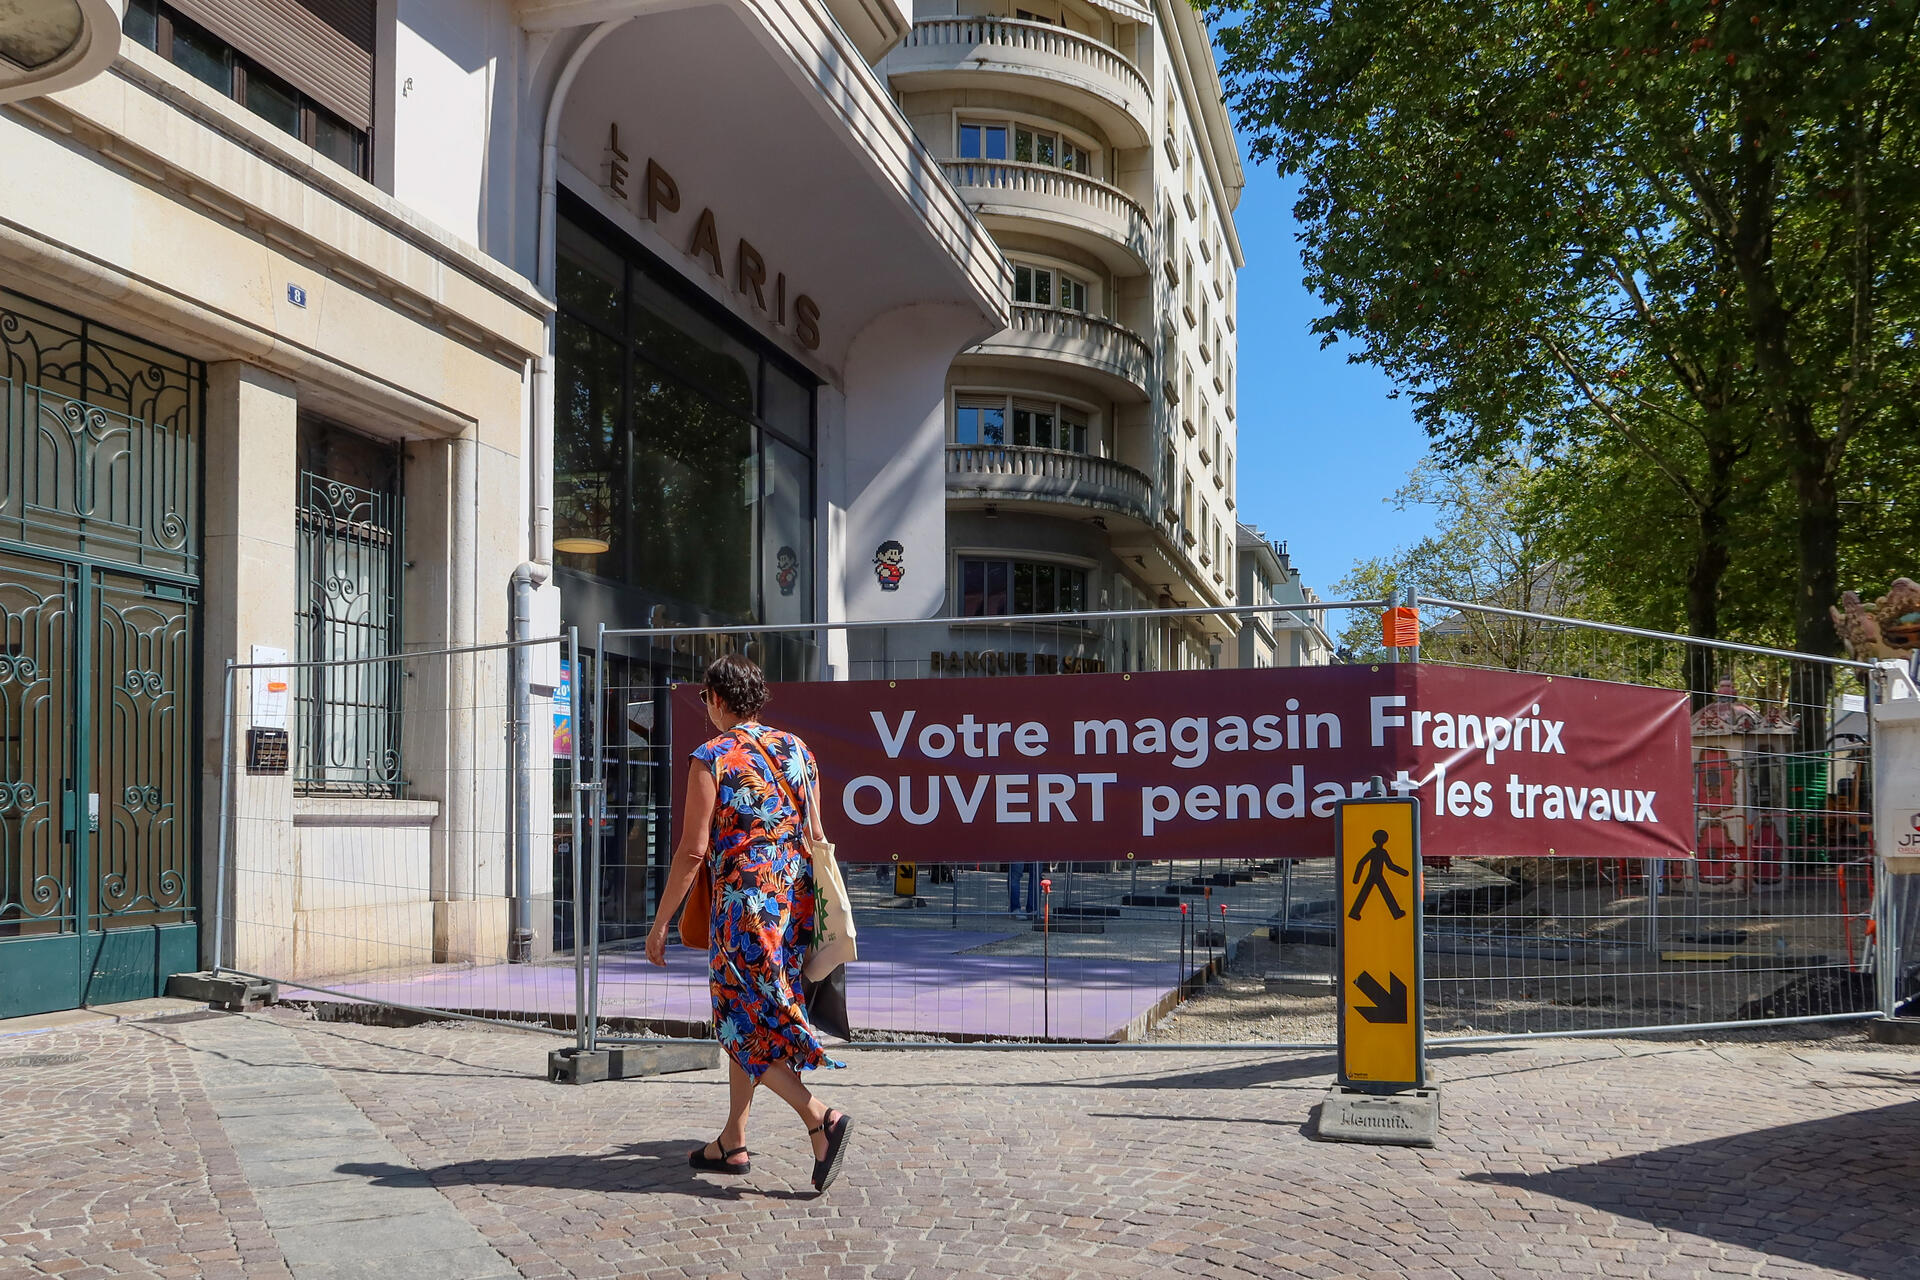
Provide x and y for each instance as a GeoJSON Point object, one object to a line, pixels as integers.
{"type": "Point", "coordinates": [336, 328]}
{"type": "Point", "coordinates": [1282, 638]}
{"type": "Point", "coordinates": [1090, 445]}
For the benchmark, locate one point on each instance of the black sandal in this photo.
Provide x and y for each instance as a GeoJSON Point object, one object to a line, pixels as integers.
{"type": "Point", "coordinates": [699, 1159]}
{"type": "Point", "coordinates": [827, 1168]}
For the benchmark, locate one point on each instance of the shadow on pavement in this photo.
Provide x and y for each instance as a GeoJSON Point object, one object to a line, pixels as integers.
{"type": "Point", "coordinates": [1834, 1193]}
{"type": "Point", "coordinates": [638, 1166]}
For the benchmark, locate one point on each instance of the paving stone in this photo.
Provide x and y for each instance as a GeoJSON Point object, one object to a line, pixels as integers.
{"type": "Point", "coordinates": [264, 1145]}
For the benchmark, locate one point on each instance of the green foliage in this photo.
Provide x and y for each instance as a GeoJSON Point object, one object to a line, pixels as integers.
{"type": "Point", "coordinates": [1669, 249]}
{"type": "Point", "coordinates": [1490, 546]}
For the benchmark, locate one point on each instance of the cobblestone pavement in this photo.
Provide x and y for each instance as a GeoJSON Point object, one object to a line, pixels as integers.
{"type": "Point", "coordinates": [153, 1152]}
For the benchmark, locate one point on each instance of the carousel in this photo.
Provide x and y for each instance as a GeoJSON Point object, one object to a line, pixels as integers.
{"type": "Point", "coordinates": [1742, 789]}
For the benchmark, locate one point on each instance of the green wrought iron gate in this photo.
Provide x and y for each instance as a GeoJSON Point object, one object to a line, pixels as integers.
{"type": "Point", "coordinates": [99, 583]}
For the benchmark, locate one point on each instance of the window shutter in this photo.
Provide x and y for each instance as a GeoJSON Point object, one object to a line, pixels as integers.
{"type": "Point", "coordinates": [324, 48]}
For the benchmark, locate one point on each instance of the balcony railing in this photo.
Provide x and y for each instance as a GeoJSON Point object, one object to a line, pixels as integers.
{"type": "Point", "coordinates": [1055, 331]}
{"type": "Point", "coordinates": [1119, 213]}
{"type": "Point", "coordinates": [1036, 41]}
{"type": "Point", "coordinates": [1056, 475]}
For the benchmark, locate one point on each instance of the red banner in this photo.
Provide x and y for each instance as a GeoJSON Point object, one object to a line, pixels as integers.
{"type": "Point", "coordinates": [1243, 764]}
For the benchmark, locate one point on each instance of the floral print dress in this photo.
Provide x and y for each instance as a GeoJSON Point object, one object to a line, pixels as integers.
{"type": "Point", "coordinates": [762, 900]}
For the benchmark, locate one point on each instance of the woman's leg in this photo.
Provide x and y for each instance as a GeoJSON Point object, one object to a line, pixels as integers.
{"type": "Point", "coordinates": [786, 1084]}
{"type": "Point", "coordinates": [739, 1101]}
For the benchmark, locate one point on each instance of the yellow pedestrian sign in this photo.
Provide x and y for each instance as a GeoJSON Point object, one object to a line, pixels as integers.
{"type": "Point", "coordinates": [1382, 1032]}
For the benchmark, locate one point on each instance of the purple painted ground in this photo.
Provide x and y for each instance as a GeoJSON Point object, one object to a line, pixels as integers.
{"type": "Point", "coordinates": [907, 980]}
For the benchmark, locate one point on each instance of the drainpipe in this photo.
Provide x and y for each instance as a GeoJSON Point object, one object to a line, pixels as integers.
{"type": "Point", "coordinates": [519, 666]}
{"type": "Point", "coordinates": [539, 566]}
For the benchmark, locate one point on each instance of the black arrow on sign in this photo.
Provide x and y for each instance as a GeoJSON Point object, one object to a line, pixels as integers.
{"type": "Point", "coordinates": [1389, 1005]}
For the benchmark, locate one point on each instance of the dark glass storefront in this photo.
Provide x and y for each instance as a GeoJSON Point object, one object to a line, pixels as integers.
{"type": "Point", "coordinates": [684, 453]}
{"type": "Point", "coordinates": [682, 444]}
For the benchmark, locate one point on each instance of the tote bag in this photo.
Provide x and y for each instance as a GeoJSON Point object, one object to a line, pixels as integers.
{"type": "Point", "coordinates": [834, 941]}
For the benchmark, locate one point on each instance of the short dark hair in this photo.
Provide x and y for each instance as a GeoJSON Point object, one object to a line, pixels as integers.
{"type": "Point", "coordinates": [737, 680]}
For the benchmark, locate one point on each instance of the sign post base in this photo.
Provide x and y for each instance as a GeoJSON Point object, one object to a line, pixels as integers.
{"type": "Point", "coordinates": [1410, 1118]}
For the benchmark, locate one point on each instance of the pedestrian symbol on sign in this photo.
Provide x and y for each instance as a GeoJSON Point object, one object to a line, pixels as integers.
{"type": "Point", "coordinates": [1374, 865]}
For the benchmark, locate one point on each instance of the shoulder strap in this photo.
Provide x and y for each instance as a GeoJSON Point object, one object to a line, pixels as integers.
{"type": "Point", "coordinates": [779, 778]}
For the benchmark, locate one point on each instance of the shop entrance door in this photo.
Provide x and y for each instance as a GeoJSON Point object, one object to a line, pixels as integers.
{"type": "Point", "coordinates": [96, 785]}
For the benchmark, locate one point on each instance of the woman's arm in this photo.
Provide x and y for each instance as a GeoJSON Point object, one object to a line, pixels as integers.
{"type": "Point", "coordinates": [689, 857]}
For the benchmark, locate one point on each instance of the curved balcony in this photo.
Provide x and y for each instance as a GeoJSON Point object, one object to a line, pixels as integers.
{"type": "Point", "coordinates": [1033, 58]}
{"type": "Point", "coordinates": [1001, 473]}
{"type": "Point", "coordinates": [1083, 211]}
{"type": "Point", "coordinates": [1115, 358]}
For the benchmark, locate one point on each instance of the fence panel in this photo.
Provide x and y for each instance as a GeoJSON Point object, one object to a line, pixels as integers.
{"type": "Point", "coordinates": [395, 881]}
{"type": "Point", "coordinates": [1770, 921]}
{"type": "Point", "coordinates": [1769, 924]}
{"type": "Point", "coordinates": [370, 829]}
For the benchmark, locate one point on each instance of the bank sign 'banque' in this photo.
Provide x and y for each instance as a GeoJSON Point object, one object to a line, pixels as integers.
{"type": "Point", "coordinates": [1189, 764]}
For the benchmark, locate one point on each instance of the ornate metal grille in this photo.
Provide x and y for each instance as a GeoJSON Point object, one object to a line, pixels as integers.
{"type": "Point", "coordinates": [347, 716]}
{"type": "Point", "coordinates": [98, 437]}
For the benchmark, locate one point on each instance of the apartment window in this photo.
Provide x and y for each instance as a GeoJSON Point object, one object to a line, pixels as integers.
{"type": "Point", "coordinates": [1230, 488]}
{"type": "Point", "coordinates": [1028, 15]}
{"type": "Point", "coordinates": [1186, 506]}
{"type": "Point", "coordinates": [1000, 588]}
{"type": "Point", "coordinates": [1031, 144]}
{"type": "Point", "coordinates": [1173, 139]}
{"type": "Point", "coordinates": [1205, 325]}
{"type": "Point", "coordinates": [1046, 287]}
{"type": "Point", "coordinates": [1192, 208]}
{"type": "Point", "coordinates": [979, 421]}
{"type": "Point", "coordinates": [1037, 146]}
{"type": "Point", "coordinates": [310, 76]}
{"type": "Point", "coordinates": [1023, 423]}
{"type": "Point", "coordinates": [1186, 288]}
{"type": "Point", "coordinates": [347, 595]}
{"type": "Point", "coordinates": [983, 142]}
{"type": "Point", "coordinates": [1186, 386]}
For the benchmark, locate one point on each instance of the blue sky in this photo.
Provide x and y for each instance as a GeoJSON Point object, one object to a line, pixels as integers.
{"type": "Point", "coordinates": [1321, 445]}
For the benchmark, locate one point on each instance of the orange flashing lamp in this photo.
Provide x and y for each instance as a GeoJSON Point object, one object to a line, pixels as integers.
{"type": "Point", "coordinates": [1400, 626]}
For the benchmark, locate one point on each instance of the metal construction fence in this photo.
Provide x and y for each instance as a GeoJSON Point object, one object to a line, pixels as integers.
{"type": "Point", "coordinates": [501, 855]}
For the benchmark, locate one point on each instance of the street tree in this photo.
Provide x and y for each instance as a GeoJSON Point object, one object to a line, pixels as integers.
{"type": "Point", "coordinates": [1677, 234]}
{"type": "Point", "coordinates": [1489, 547]}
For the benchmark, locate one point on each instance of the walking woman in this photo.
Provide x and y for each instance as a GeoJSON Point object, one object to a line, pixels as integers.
{"type": "Point", "coordinates": [743, 827]}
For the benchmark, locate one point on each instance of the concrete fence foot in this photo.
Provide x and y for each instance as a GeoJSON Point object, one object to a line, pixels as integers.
{"type": "Point", "coordinates": [629, 1062]}
{"type": "Point", "coordinates": [224, 991]}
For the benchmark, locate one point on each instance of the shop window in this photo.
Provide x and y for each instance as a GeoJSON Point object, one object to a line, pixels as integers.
{"type": "Point", "coordinates": [1002, 588]}
{"type": "Point", "coordinates": [239, 67]}
{"type": "Point", "coordinates": [683, 449]}
{"type": "Point", "coordinates": [347, 591]}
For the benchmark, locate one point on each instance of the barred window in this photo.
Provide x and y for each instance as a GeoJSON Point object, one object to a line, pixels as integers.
{"type": "Point", "coordinates": [348, 514]}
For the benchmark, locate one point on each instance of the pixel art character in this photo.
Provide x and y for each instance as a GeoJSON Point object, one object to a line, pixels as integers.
{"type": "Point", "coordinates": [889, 565]}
